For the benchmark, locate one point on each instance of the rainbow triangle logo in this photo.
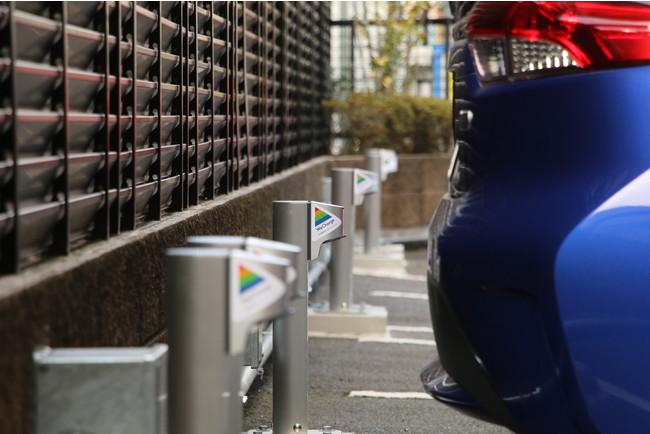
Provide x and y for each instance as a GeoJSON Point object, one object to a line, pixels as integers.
{"type": "Point", "coordinates": [247, 279]}
{"type": "Point", "coordinates": [360, 179]}
{"type": "Point", "coordinates": [320, 216]}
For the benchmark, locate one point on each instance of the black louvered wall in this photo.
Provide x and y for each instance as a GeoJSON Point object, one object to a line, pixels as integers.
{"type": "Point", "coordinates": [226, 93]}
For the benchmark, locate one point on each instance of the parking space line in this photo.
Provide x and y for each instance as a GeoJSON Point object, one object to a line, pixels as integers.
{"type": "Point", "coordinates": [409, 329]}
{"type": "Point", "coordinates": [402, 341]}
{"type": "Point", "coordinates": [388, 395]}
{"type": "Point", "coordinates": [390, 274]}
{"type": "Point", "coordinates": [400, 294]}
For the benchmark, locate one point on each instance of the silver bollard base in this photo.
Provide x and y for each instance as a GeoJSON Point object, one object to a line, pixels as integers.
{"type": "Point", "coordinates": [357, 320]}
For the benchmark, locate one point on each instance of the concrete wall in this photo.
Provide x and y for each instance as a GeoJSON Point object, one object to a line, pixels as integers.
{"type": "Point", "coordinates": [113, 293]}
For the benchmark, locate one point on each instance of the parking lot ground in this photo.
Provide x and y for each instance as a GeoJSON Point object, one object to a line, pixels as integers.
{"type": "Point", "coordinates": [339, 367]}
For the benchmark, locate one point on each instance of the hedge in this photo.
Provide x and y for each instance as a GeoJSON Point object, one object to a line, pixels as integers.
{"type": "Point", "coordinates": [405, 123]}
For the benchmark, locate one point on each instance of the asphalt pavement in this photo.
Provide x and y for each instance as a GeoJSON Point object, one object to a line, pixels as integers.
{"type": "Point", "coordinates": [341, 366]}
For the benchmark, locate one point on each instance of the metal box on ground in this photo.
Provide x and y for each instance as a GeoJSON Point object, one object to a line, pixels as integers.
{"type": "Point", "coordinates": [101, 390]}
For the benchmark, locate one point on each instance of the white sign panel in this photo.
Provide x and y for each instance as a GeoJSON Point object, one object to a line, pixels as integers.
{"type": "Point", "coordinates": [258, 289]}
{"type": "Point", "coordinates": [326, 223]}
{"type": "Point", "coordinates": [365, 182]}
{"type": "Point", "coordinates": [260, 246]}
{"type": "Point", "coordinates": [323, 223]}
{"type": "Point", "coordinates": [257, 246]}
{"type": "Point", "coordinates": [389, 163]}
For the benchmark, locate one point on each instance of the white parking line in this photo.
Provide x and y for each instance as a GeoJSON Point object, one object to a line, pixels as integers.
{"type": "Point", "coordinates": [409, 329]}
{"type": "Point", "coordinates": [388, 395]}
{"type": "Point", "coordinates": [400, 294]}
{"type": "Point", "coordinates": [390, 340]}
{"type": "Point", "coordinates": [398, 275]}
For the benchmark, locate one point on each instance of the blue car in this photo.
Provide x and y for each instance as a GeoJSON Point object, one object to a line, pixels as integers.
{"type": "Point", "coordinates": [539, 255]}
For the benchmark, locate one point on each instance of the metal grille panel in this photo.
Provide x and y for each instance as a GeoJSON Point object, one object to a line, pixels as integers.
{"type": "Point", "coordinates": [225, 94]}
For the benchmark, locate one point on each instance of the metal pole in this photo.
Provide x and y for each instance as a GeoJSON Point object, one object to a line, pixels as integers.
{"type": "Point", "coordinates": [308, 225]}
{"type": "Point", "coordinates": [342, 251]}
{"type": "Point", "coordinates": [290, 353]}
{"type": "Point", "coordinates": [326, 189]}
{"type": "Point", "coordinates": [372, 204]}
{"type": "Point", "coordinates": [198, 388]}
{"type": "Point", "coordinates": [326, 257]}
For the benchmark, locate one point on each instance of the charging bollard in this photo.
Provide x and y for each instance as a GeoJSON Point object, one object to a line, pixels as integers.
{"type": "Point", "coordinates": [341, 316]}
{"type": "Point", "coordinates": [100, 390]}
{"type": "Point", "coordinates": [256, 246]}
{"type": "Point", "coordinates": [349, 186]}
{"type": "Point", "coordinates": [215, 296]}
{"type": "Point", "coordinates": [307, 225]}
{"type": "Point", "coordinates": [382, 162]}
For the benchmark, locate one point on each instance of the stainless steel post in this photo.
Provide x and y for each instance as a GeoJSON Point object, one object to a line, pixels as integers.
{"type": "Point", "coordinates": [215, 297]}
{"type": "Point", "coordinates": [326, 255]}
{"type": "Point", "coordinates": [326, 189]}
{"type": "Point", "coordinates": [307, 225]}
{"type": "Point", "coordinates": [349, 187]}
{"type": "Point", "coordinates": [372, 204]}
{"type": "Point", "coordinates": [342, 252]}
{"type": "Point", "coordinates": [198, 386]}
{"type": "Point", "coordinates": [290, 354]}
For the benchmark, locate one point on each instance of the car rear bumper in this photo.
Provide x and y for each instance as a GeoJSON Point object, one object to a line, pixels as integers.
{"type": "Point", "coordinates": [439, 384]}
{"type": "Point", "coordinates": [470, 391]}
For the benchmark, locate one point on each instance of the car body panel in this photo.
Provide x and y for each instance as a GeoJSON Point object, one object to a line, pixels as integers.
{"type": "Point", "coordinates": [602, 276]}
{"type": "Point", "coordinates": [544, 154]}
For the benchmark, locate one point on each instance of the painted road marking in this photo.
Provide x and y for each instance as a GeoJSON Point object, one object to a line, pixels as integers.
{"type": "Point", "coordinates": [390, 274]}
{"type": "Point", "coordinates": [402, 341]}
{"type": "Point", "coordinates": [325, 335]}
{"type": "Point", "coordinates": [388, 395]}
{"type": "Point", "coordinates": [400, 294]}
{"type": "Point", "coordinates": [387, 338]}
{"type": "Point", "coordinates": [409, 329]}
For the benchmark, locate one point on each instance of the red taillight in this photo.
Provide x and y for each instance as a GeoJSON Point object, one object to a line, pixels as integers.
{"type": "Point", "coordinates": [512, 39]}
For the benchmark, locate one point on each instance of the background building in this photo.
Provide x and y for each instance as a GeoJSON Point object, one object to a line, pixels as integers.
{"type": "Point", "coordinates": [361, 29]}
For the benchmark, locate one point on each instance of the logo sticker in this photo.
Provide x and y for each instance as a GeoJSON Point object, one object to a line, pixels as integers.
{"type": "Point", "coordinates": [247, 279]}
{"type": "Point", "coordinates": [365, 182]}
{"type": "Point", "coordinates": [254, 290]}
{"type": "Point", "coordinates": [321, 216]}
{"type": "Point", "coordinates": [389, 163]}
{"type": "Point", "coordinates": [324, 223]}
{"type": "Point", "coordinates": [257, 290]}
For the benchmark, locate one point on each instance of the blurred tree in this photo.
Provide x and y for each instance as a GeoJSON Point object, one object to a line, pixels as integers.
{"type": "Point", "coordinates": [381, 114]}
{"type": "Point", "coordinates": [390, 45]}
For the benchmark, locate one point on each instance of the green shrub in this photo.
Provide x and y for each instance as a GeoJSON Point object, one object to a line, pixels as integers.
{"type": "Point", "coordinates": [405, 123]}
